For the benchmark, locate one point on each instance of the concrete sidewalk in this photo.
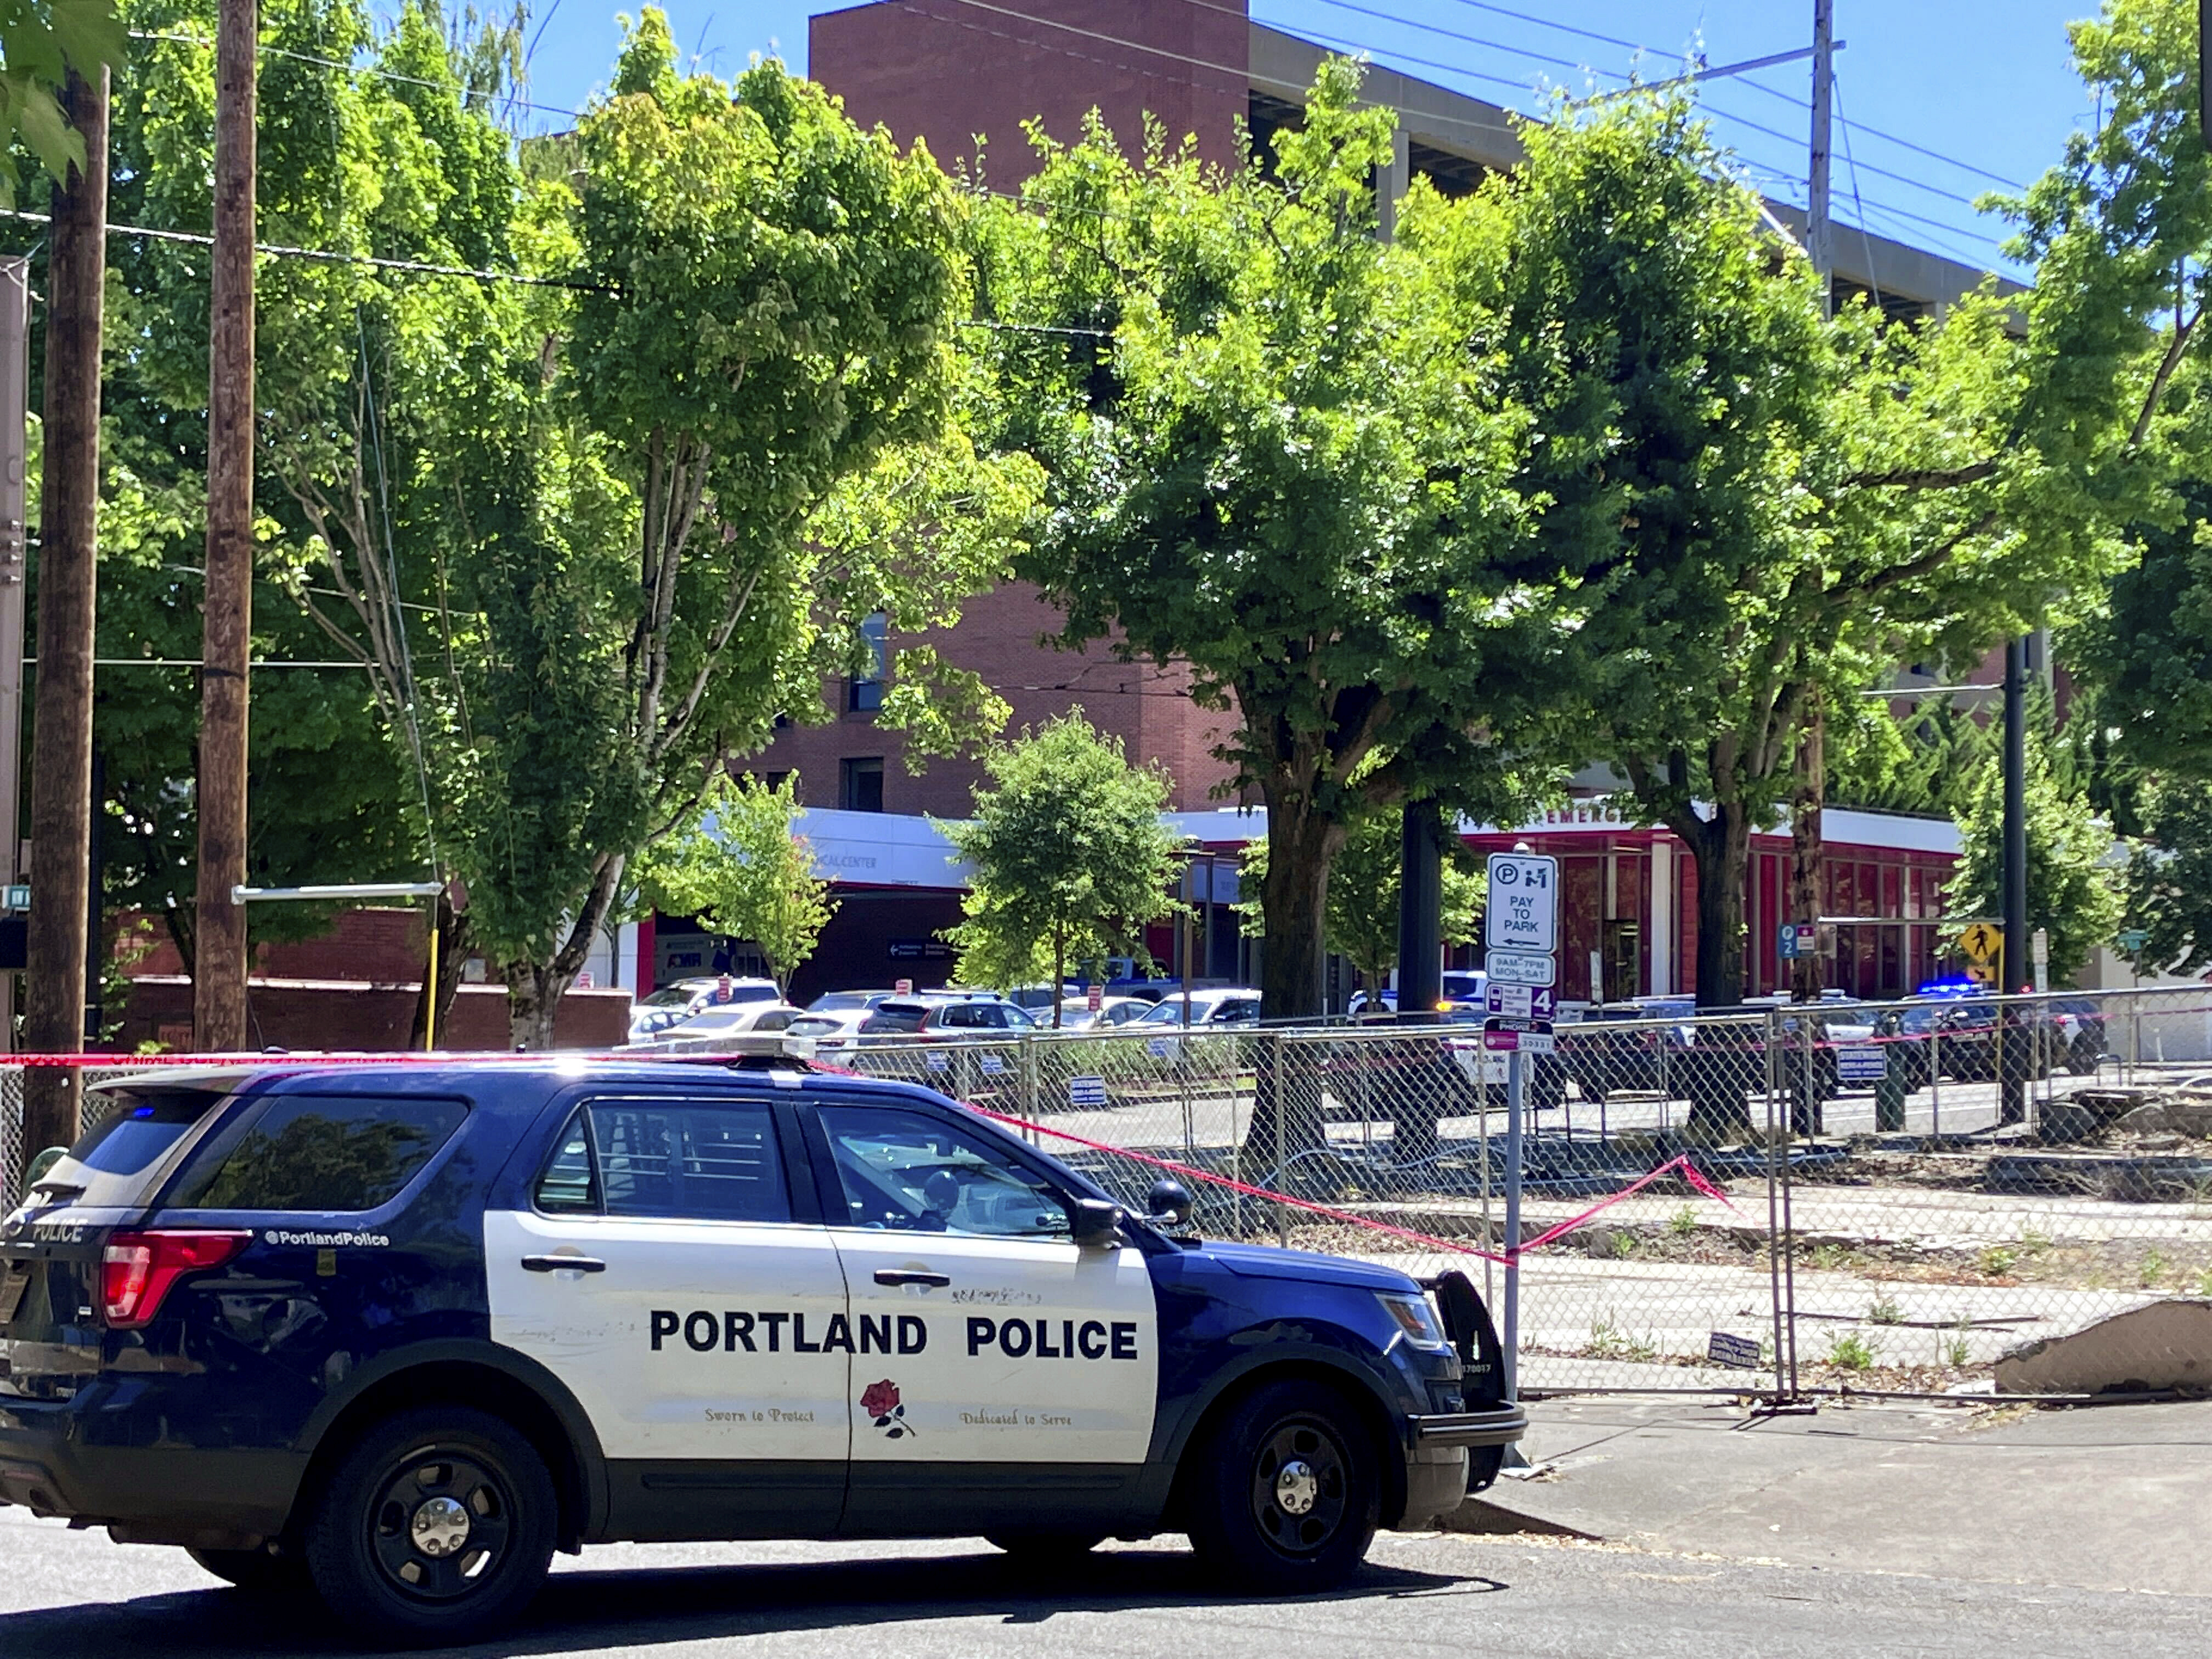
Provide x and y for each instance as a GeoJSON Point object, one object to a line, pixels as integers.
{"type": "Point", "coordinates": [2105, 1498]}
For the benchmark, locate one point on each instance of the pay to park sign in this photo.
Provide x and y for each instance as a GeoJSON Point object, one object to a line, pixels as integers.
{"type": "Point", "coordinates": [1522, 913]}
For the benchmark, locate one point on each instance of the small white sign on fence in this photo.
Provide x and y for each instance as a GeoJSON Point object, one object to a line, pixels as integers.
{"type": "Point", "coordinates": [1159, 1048]}
{"type": "Point", "coordinates": [992, 1065]}
{"type": "Point", "coordinates": [1862, 1062]}
{"type": "Point", "coordinates": [1086, 1092]}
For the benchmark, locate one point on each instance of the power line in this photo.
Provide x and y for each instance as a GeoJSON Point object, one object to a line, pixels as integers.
{"type": "Point", "coordinates": [269, 51]}
{"type": "Point", "coordinates": [280, 251]}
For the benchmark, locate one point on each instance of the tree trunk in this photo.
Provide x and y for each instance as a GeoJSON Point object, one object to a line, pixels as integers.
{"type": "Point", "coordinates": [534, 990]}
{"type": "Point", "coordinates": [1807, 797]}
{"type": "Point", "coordinates": [61, 730]}
{"type": "Point", "coordinates": [1720, 848]}
{"type": "Point", "coordinates": [1059, 970]}
{"type": "Point", "coordinates": [453, 945]}
{"type": "Point", "coordinates": [1723, 1069]}
{"type": "Point", "coordinates": [1286, 1104]}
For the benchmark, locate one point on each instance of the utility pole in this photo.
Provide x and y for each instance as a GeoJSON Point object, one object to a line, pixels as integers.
{"type": "Point", "coordinates": [61, 736]}
{"type": "Point", "coordinates": [15, 450]}
{"type": "Point", "coordinates": [1809, 791]}
{"type": "Point", "coordinates": [219, 976]}
{"type": "Point", "coordinates": [2012, 1104]}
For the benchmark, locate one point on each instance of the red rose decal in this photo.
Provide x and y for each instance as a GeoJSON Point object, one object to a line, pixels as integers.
{"type": "Point", "coordinates": [880, 1402]}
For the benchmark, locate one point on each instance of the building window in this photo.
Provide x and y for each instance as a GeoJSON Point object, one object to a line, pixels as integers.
{"type": "Point", "coordinates": [774, 780]}
{"type": "Point", "coordinates": [865, 694]}
{"type": "Point", "coordinates": [861, 783]}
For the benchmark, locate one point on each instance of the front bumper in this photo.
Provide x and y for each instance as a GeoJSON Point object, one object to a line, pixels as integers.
{"type": "Point", "coordinates": [1496, 1425]}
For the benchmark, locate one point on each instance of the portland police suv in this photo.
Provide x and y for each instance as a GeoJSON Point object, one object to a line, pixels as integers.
{"type": "Point", "coordinates": [401, 1332]}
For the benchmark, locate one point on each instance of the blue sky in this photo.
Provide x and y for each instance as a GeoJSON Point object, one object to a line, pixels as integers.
{"type": "Point", "coordinates": [1984, 82]}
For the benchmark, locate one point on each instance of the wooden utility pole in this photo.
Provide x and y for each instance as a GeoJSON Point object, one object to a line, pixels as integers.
{"type": "Point", "coordinates": [61, 732]}
{"type": "Point", "coordinates": [1810, 794]}
{"type": "Point", "coordinates": [219, 976]}
{"type": "Point", "coordinates": [14, 461]}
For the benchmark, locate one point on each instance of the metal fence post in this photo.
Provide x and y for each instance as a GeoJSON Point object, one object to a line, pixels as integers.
{"type": "Point", "coordinates": [1514, 1070]}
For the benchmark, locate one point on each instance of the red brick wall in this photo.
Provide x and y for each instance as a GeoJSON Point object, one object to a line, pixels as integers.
{"type": "Point", "coordinates": [295, 1014]}
{"type": "Point", "coordinates": [378, 946]}
{"type": "Point", "coordinates": [1000, 637]}
{"type": "Point", "coordinates": [944, 71]}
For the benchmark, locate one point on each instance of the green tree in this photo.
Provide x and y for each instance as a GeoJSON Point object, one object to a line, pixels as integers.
{"type": "Point", "coordinates": [1365, 886]}
{"type": "Point", "coordinates": [1068, 859]}
{"type": "Point", "coordinates": [740, 865]}
{"type": "Point", "coordinates": [2168, 889]}
{"type": "Point", "coordinates": [41, 43]}
{"type": "Point", "coordinates": [1276, 456]}
{"type": "Point", "coordinates": [2072, 888]}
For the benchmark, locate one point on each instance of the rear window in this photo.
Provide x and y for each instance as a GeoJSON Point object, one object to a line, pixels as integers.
{"type": "Point", "coordinates": [319, 1152]}
{"type": "Point", "coordinates": [140, 1129]}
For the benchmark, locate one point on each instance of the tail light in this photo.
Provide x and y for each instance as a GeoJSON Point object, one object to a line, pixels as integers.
{"type": "Point", "coordinates": [137, 1269]}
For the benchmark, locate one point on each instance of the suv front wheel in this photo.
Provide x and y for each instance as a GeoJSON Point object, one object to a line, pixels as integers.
{"type": "Point", "coordinates": [1287, 1495]}
{"type": "Point", "coordinates": [436, 1527]}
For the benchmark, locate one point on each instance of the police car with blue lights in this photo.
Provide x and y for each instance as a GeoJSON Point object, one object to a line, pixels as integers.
{"type": "Point", "coordinates": [396, 1333]}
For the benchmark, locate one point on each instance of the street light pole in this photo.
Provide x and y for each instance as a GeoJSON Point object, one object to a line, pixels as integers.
{"type": "Point", "coordinates": [2013, 1105]}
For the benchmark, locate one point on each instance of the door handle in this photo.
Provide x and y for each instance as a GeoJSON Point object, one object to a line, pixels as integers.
{"type": "Point", "coordinates": [546, 1264]}
{"type": "Point", "coordinates": [911, 1276]}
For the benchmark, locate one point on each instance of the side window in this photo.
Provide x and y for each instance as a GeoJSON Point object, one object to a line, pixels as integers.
{"type": "Point", "coordinates": [570, 1184]}
{"type": "Point", "coordinates": [339, 1152]}
{"type": "Point", "coordinates": [908, 1172]}
{"type": "Point", "coordinates": [775, 1019]}
{"type": "Point", "coordinates": [965, 1015]}
{"type": "Point", "coordinates": [704, 1161]}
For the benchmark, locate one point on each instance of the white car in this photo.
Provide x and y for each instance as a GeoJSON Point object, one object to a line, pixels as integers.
{"type": "Point", "coordinates": [1113, 1013]}
{"type": "Point", "coordinates": [836, 1032]}
{"type": "Point", "coordinates": [1221, 1005]}
{"type": "Point", "coordinates": [711, 1027]}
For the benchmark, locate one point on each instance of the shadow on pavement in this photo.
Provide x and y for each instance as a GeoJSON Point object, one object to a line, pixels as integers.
{"type": "Point", "coordinates": [583, 1610]}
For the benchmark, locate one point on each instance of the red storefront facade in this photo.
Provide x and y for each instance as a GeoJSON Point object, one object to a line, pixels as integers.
{"type": "Point", "coordinates": [1629, 899]}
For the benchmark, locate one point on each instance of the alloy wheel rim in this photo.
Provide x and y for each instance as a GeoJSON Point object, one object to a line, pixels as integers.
{"type": "Point", "coordinates": [1301, 1487]}
{"type": "Point", "coordinates": [440, 1525]}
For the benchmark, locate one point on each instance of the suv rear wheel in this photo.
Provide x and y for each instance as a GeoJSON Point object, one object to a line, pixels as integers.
{"type": "Point", "coordinates": [437, 1527]}
{"type": "Point", "coordinates": [1287, 1494]}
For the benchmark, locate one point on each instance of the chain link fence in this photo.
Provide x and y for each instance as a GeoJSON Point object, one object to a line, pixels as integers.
{"type": "Point", "coordinates": [1913, 1197]}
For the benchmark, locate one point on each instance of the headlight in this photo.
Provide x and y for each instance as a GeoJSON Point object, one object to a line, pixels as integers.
{"type": "Point", "coordinates": [1415, 1317]}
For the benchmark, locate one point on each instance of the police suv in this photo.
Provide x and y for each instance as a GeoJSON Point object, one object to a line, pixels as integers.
{"type": "Point", "coordinates": [400, 1332]}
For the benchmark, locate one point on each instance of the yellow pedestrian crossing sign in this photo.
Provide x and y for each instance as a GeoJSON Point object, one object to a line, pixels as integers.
{"type": "Point", "coordinates": [1981, 942]}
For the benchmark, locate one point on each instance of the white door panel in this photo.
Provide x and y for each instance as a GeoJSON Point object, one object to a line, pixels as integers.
{"type": "Point", "coordinates": [698, 1339]}
{"type": "Point", "coordinates": [1033, 1352]}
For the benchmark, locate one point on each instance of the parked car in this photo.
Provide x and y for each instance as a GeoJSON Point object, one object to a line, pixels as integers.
{"type": "Point", "coordinates": [1112, 1012]}
{"type": "Point", "coordinates": [950, 1016]}
{"type": "Point", "coordinates": [715, 990]}
{"type": "Point", "coordinates": [391, 1336]}
{"type": "Point", "coordinates": [709, 1027]}
{"type": "Point", "coordinates": [646, 1021]}
{"type": "Point", "coordinates": [1039, 998]}
{"type": "Point", "coordinates": [834, 1002]}
{"type": "Point", "coordinates": [1219, 1006]}
{"type": "Point", "coordinates": [835, 1034]}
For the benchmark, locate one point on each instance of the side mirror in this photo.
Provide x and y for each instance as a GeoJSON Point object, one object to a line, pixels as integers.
{"type": "Point", "coordinates": [1169, 1202]}
{"type": "Point", "coordinates": [1095, 1223]}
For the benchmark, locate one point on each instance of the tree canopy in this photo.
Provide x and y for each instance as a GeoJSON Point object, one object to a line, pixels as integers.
{"type": "Point", "coordinates": [1068, 859]}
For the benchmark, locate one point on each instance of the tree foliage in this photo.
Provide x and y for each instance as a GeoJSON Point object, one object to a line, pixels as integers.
{"type": "Point", "coordinates": [1068, 859]}
{"type": "Point", "coordinates": [1365, 888]}
{"type": "Point", "coordinates": [1277, 455]}
{"type": "Point", "coordinates": [2072, 888]}
{"type": "Point", "coordinates": [41, 43]}
{"type": "Point", "coordinates": [740, 866]}
{"type": "Point", "coordinates": [2168, 889]}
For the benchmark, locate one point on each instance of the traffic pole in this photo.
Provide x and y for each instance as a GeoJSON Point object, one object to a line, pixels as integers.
{"type": "Point", "coordinates": [1515, 1090]}
{"type": "Point", "coordinates": [2012, 1103]}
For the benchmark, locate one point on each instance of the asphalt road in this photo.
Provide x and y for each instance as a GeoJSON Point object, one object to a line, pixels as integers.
{"type": "Point", "coordinates": [68, 1595]}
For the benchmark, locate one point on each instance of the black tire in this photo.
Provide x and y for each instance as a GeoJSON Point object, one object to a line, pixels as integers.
{"type": "Point", "coordinates": [1046, 1550]}
{"type": "Point", "coordinates": [436, 1528]}
{"type": "Point", "coordinates": [1286, 1493]}
{"type": "Point", "coordinates": [257, 1571]}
